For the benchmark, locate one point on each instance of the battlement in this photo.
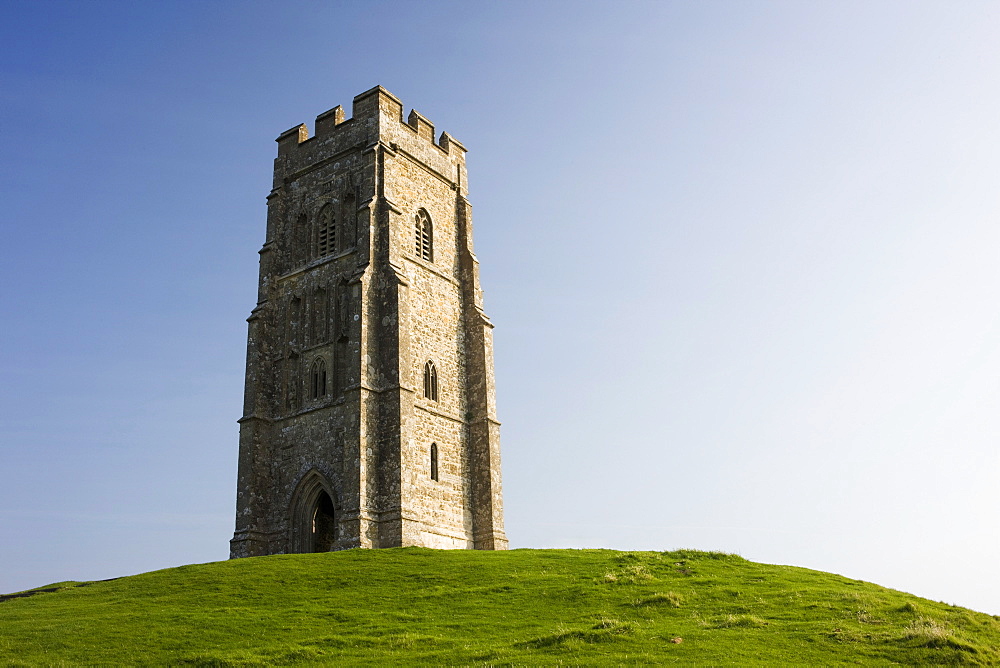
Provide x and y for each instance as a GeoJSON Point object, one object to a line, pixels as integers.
{"type": "Point", "coordinates": [372, 105]}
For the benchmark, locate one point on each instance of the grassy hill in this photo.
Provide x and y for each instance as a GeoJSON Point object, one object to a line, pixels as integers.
{"type": "Point", "coordinates": [406, 606]}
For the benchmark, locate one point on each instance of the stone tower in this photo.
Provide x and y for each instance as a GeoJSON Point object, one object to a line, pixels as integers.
{"type": "Point", "coordinates": [369, 414]}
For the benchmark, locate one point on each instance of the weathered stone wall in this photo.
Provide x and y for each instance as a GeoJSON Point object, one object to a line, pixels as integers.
{"type": "Point", "coordinates": [372, 313]}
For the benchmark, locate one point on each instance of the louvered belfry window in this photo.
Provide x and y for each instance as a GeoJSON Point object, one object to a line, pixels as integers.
{"type": "Point", "coordinates": [326, 232]}
{"type": "Point", "coordinates": [425, 237]}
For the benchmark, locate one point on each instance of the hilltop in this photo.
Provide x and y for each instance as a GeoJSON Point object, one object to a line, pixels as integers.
{"type": "Point", "coordinates": [414, 605]}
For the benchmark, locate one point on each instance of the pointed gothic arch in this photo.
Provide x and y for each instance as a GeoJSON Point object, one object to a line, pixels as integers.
{"type": "Point", "coordinates": [313, 515]}
{"type": "Point", "coordinates": [318, 378]}
{"type": "Point", "coordinates": [430, 381]}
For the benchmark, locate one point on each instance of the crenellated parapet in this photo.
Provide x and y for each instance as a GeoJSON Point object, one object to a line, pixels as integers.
{"type": "Point", "coordinates": [375, 110]}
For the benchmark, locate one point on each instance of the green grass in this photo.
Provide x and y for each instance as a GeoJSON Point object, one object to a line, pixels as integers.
{"type": "Point", "coordinates": [524, 607]}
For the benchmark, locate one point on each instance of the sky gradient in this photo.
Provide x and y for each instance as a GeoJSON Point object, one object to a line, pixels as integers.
{"type": "Point", "coordinates": [743, 261]}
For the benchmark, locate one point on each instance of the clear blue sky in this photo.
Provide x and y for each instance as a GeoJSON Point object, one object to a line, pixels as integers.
{"type": "Point", "coordinates": [743, 259]}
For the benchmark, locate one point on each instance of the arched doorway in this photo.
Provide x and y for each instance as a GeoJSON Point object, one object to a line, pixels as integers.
{"type": "Point", "coordinates": [323, 525]}
{"type": "Point", "coordinates": [313, 515]}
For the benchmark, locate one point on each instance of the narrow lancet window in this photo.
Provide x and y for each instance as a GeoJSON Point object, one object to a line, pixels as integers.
{"type": "Point", "coordinates": [319, 378]}
{"type": "Point", "coordinates": [430, 381]}
{"type": "Point", "coordinates": [425, 236]}
{"type": "Point", "coordinates": [434, 461]}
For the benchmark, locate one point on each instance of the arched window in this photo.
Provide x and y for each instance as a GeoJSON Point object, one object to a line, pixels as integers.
{"type": "Point", "coordinates": [325, 236]}
{"type": "Point", "coordinates": [319, 378]}
{"type": "Point", "coordinates": [425, 236]}
{"type": "Point", "coordinates": [430, 381]}
{"type": "Point", "coordinates": [434, 461]}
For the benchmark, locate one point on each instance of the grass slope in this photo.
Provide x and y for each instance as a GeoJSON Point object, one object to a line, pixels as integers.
{"type": "Point", "coordinates": [406, 606]}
